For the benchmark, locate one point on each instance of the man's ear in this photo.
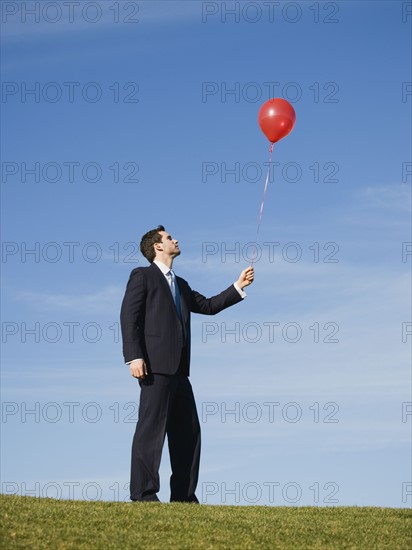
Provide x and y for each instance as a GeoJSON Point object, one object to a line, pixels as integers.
{"type": "Point", "coordinates": [158, 246]}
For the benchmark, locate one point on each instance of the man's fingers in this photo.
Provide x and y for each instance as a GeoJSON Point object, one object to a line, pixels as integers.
{"type": "Point", "coordinates": [138, 372]}
{"type": "Point", "coordinates": [249, 274]}
{"type": "Point", "coordinates": [138, 369]}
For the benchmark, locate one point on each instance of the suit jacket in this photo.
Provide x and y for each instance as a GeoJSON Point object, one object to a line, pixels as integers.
{"type": "Point", "coordinates": [151, 328]}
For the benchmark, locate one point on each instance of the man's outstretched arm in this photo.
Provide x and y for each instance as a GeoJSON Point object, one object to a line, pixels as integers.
{"type": "Point", "coordinates": [227, 298]}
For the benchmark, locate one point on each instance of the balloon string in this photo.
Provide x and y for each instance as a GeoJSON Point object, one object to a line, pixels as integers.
{"type": "Point", "coordinates": [263, 202]}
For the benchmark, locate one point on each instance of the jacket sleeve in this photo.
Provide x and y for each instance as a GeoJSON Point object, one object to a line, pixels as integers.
{"type": "Point", "coordinates": [215, 304]}
{"type": "Point", "coordinates": [132, 316]}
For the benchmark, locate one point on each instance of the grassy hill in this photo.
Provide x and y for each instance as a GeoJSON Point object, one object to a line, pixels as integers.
{"type": "Point", "coordinates": [28, 522]}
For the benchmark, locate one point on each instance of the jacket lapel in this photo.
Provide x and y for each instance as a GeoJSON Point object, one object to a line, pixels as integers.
{"type": "Point", "coordinates": [183, 305]}
{"type": "Point", "coordinates": [163, 283]}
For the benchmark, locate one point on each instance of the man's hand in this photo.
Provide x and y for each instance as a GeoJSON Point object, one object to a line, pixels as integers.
{"type": "Point", "coordinates": [246, 278]}
{"type": "Point", "coordinates": [138, 368]}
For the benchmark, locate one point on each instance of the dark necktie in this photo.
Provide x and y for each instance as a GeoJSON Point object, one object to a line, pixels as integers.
{"type": "Point", "coordinates": [175, 293]}
{"type": "Point", "coordinates": [176, 297]}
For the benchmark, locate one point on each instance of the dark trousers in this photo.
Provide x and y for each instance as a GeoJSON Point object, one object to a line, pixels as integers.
{"type": "Point", "coordinates": [167, 406]}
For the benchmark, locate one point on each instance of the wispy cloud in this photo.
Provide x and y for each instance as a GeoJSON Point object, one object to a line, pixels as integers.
{"type": "Point", "coordinates": [106, 299]}
{"type": "Point", "coordinates": [40, 19]}
{"type": "Point", "coordinates": [395, 197]}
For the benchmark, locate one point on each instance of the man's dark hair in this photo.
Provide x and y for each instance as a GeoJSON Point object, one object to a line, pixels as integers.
{"type": "Point", "coordinates": [147, 243]}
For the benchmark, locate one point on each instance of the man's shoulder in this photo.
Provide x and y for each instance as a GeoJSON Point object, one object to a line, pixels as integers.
{"type": "Point", "coordinates": [138, 273]}
{"type": "Point", "coordinates": [139, 270]}
{"type": "Point", "coordinates": [146, 272]}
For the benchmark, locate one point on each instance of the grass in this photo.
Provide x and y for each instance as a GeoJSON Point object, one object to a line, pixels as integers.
{"type": "Point", "coordinates": [37, 523]}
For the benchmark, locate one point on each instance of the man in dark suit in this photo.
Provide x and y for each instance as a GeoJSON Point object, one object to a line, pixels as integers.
{"type": "Point", "coordinates": [155, 321]}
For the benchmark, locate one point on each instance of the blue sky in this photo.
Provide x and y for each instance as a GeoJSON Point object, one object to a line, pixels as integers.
{"type": "Point", "coordinates": [172, 137]}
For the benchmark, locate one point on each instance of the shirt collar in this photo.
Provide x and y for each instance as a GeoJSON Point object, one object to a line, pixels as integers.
{"type": "Point", "coordinates": [163, 267]}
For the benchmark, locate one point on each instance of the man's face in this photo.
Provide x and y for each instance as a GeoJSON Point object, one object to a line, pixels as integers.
{"type": "Point", "coordinates": [168, 245]}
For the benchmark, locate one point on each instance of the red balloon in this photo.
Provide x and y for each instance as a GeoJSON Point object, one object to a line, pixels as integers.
{"type": "Point", "coordinates": [276, 118]}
